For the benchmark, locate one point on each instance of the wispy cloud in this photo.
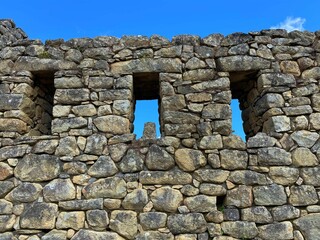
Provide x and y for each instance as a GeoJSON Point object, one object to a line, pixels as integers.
{"type": "Point", "coordinates": [291, 24]}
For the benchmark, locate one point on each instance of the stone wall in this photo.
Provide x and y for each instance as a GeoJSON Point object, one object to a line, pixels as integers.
{"type": "Point", "coordinates": [71, 167]}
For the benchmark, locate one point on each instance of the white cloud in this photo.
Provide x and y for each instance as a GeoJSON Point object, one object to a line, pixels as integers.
{"type": "Point", "coordinates": [291, 24]}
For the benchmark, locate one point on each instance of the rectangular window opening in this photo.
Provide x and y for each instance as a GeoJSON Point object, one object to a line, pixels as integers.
{"type": "Point", "coordinates": [44, 88]}
{"type": "Point", "coordinates": [146, 88]}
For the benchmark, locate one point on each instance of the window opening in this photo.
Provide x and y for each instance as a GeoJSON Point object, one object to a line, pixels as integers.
{"type": "Point", "coordinates": [44, 88]}
{"type": "Point", "coordinates": [242, 86]}
{"type": "Point", "coordinates": [147, 101]}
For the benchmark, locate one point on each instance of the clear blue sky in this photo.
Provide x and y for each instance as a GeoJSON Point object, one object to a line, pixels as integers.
{"type": "Point", "coordinates": [52, 19]}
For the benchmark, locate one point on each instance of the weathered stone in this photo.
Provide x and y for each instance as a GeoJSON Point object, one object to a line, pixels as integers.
{"type": "Point", "coordinates": [6, 223]}
{"type": "Point", "coordinates": [290, 67]}
{"type": "Point", "coordinates": [201, 203]}
{"type": "Point", "coordinates": [159, 159]}
{"type": "Point", "coordinates": [257, 214]}
{"type": "Point", "coordinates": [268, 80]}
{"type": "Point", "coordinates": [117, 151]}
{"type": "Point", "coordinates": [284, 175]}
{"type": "Point", "coordinates": [189, 159]}
{"type": "Point", "coordinates": [269, 100]}
{"type": "Point", "coordinates": [72, 96]}
{"type": "Point", "coordinates": [166, 199]}
{"type": "Point", "coordinates": [136, 200]}
{"type": "Point", "coordinates": [103, 167]}
{"type": "Point", "coordinates": [211, 175]}
{"type": "Point", "coordinates": [311, 176]}
{"type": "Point", "coordinates": [39, 216]}
{"type": "Point", "coordinates": [298, 110]}
{"type": "Point", "coordinates": [180, 117]}
{"type": "Point", "coordinates": [311, 73]}
{"type": "Point", "coordinates": [124, 223]}
{"type": "Point", "coordinates": [240, 197]}
{"type": "Point", "coordinates": [211, 142]}
{"type": "Point", "coordinates": [133, 161]}
{"type": "Point", "coordinates": [46, 146]}
{"type": "Point", "coordinates": [64, 125]}
{"type": "Point", "coordinates": [309, 225]}
{"type": "Point", "coordinates": [273, 156]}
{"type": "Point", "coordinates": [75, 167]}
{"type": "Point", "coordinates": [93, 235]}
{"type": "Point", "coordinates": [269, 195]}
{"type": "Point", "coordinates": [55, 235]}
{"type": "Point", "coordinates": [25, 192]}
{"type": "Point", "coordinates": [68, 147]}
{"type": "Point", "coordinates": [37, 168]}
{"type": "Point", "coordinates": [164, 177]}
{"type": "Point", "coordinates": [112, 187]}
{"type": "Point", "coordinates": [90, 204]}
{"type": "Point", "coordinates": [303, 157]}
{"type": "Point", "coordinates": [12, 151]}
{"type": "Point", "coordinates": [217, 111]}
{"type": "Point", "coordinates": [74, 220]}
{"type": "Point", "coordinates": [240, 229]}
{"type": "Point", "coordinates": [285, 212]}
{"type": "Point", "coordinates": [153, 220]}
{"type": "Point", "coordinates": [5, 171]}
{"type": "Point", "coordinates": [241, 63]}
{"type": "Point", "coordinates": [13, 125]}
{"type": "Point", "coordinates": [261, 140]}
{"type": "Point", "coordinates": [247, 177]}
{"type": "Point", "coordinates": [233, 159]}
{"type": "Point", "coordinates": [187, 223]}
{"type": "Point", "coordinates": [150, 235]}
{"type": "Point", "coordinates": [211, 189]}
{"type": "Point", "coordinates": [305, 138]}
{"type": "Point", "coordinates": [277, 124]}
{"type": "Point", "coordinates": [173, 103]}
{"type": "Point", "coordinates": [95, 144]}
{"type": "Point", "coordinates": [283, 230]}
{"type": "Point", "coordinates": [5, 187]}
{"type": "Point", "coordinates": [97, 219]}
{"type": "Point", "coordinates": [112, 124]}
{"type": "Point", "coordinates": [147, 65]}
{"type": "Point", "coordinates": [5, 207]}
{"type": "Point", "coordinates": [198, 75]}
{"type": "Point", "coordinates": [59, 190]}
{"type": "Point", "coordinates": [303, 195]}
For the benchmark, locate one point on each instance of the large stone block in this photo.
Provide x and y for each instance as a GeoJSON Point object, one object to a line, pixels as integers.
{"type": "Point", "coordinates": [166, 199]}
{"type": "Point", "coordinates": [309, 225]}
{"type": "Point", "coordinates": [165, 177]}
{"type": "Point", "coordinates": [187, 223]}
{"type": "Point", "coordinates": [240, 229]}
{"type": "Point", "coordinates": [189, 159]}
{"type": "Point", "coordinates": [241, 63]}
{"type": "Point", "coordinates": [112, 124]}
{"type": "Point", "coordinates": [270, 195]}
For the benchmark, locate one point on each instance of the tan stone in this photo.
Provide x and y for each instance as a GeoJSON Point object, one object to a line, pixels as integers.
{"type": "Point", "coordinates": [189, 159]}
{"type": "Point", "coordinates": [290, 67]}
{"type": "Point", "coordinates": [112, 124]}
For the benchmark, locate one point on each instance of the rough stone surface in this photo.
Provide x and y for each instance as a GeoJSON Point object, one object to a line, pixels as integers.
{"type": "Point", "coordinates": [166, 199]}
{"type": "Point", "coordinates": [187, 223]}
{"type": "Point", "coordinates": [189, 160]}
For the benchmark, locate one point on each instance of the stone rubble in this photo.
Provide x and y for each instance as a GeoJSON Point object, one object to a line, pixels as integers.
{"type": "Point", "coordinates": [71, 167]}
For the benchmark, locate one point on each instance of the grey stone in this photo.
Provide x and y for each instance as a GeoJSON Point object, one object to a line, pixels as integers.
{"type": "Point", "coordinates": [210, 189]}
{"type": "Point", "coordinates": [159, 159]}
{"type": "Point", "coordinates": [166, 199]}
{"type": "Point", "coordinates": [303, 157]}
{"type": "Point", "coordinates": [241, 63]}
{"type": "Point", "coordinates": [74, 220]}
{"type": "Point", "coordinates": [211, 175]}
{"type": "Point", "coordinates": [311, 175]}
{"type": "Point", "coordinates": [217, 111]}
{"type": "Point", "coordinates": [261, 140]}
{"type": "Point", "coordinates": [247, 177]}
{"type": "Point", "coordinates": [180, 117]}
{"type": "Point", "coordinates": [103, 167]}
{"type": "Point", "coordinates": [233, 159]}
{"type": "Point", "coordinates": [59, 190]}
{"type": "Point", "coordinates": [124, 223]}
{"type": "Point", "coordinates": [187, 223]}
{"type": "Point", "coordinates": [239, 197]}
{"type": "Point", "coordinates": [269, 100]}
{"type": "Point", "coordinates": [273, 156]}
{"type": "Point", "coordinates": [279, 80]}
{"type": "Point", "coordinates": [39, 216]}
{"type": "Point", "coordinates": [46, 146]}
{"type": "Point", "coordinates": [211, 142]}
{"type": "Point", "coordinates": [240, 229]}
{"type": "Point", "coordinates": [72, 96]}
{"type": "Point", "coordinates": [74, 167]}
{"type": "Point", "coordinates": [55, 235]}
{"type": "Point", "coordinates": [6, 223]}
{"type": "Point", "coordinates": [112, 187]}
{"type": "Point", "coordinates": [303, 195]}
{"type": "Point", "coordinates": [164, 177]}
{"type": "Point", "coordinates": [305, 138]}
{"type": "Point", "coordinates": [68, 147]}
{"type": "Point", "coordinates": [201, 203]}
{"type": "Point", "coordinates": [135, 200]}
{"type": "Point", "coordinates": [150, 235]}
{"type": "Point", "coordinates": [285, 212]}
{"type": "Point", "coordinates": [25, 192]}
{"type": "Point", "coordinates": [189, 190]}
{"type": "Point", "coordinates": [37, 168]}
{"type": "Point", "coordinates": [5, 187]}
{"type": "Point", "coordinates": [309, 225]}
{"type": "Point", "coordinates": [117, 151]}
{"type": "Point", "coordinates": [189, 159]}
{"type": "Point", "coordinates": [97, 219]}
{"type": "Point", "coordinates": [5, 207]}
{"type": "Point", "coordinates": [12, 151]}
{"type": "Point", "coordinates": [284, 175]}
{"type": "Point", "coordinates": [213, 40]}
{"type": "Point", "coordinates": [112, 124]}
{"type": "Point", "coordinates": [133, 161]}
{"type": "Point", "coordinates": [95, 144]}
{"type": "Point", "coordinates": [64, 125]}
{"type": "Point", "coordinates": [269, 195]}
{"type": "Point", "coordinates": [283, 231]}
{"type": "Point", "coordinates": [89, 204]}
{"type": "Point", "coordinates": [153, 220]}
{"type": "Point", "coordinates": [257, 214]}
{"type": "Point", "coordinates": [94, 235]}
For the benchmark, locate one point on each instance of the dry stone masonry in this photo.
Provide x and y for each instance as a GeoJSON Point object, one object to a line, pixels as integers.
{"type": "Point", "coordinates": [71, 167]}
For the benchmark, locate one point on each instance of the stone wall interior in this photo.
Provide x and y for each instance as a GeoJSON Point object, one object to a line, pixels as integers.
{"type": "Point", "coordinates": [72, 168]}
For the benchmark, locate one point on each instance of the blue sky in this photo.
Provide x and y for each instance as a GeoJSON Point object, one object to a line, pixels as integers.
{"type": "Point", "coordinates": [52, 19]}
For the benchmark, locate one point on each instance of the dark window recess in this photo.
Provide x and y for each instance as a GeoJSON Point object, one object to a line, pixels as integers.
{"type": "Point", "coordinates": [242, 84]}
{"type": "Point", "coordinates": [44, 87]}
{"type": "Point", "coordinates": [147, 101]}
